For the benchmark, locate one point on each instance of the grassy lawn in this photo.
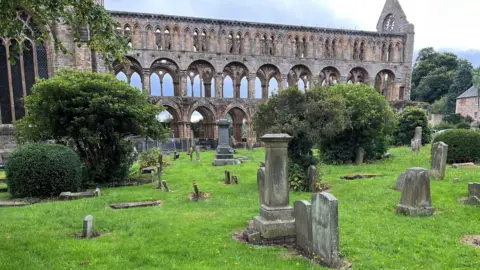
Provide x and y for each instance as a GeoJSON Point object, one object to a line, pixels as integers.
{"type": "Point", "coordinates": [184, 235]}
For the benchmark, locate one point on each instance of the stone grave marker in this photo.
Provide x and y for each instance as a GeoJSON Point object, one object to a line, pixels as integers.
{"type": "Point", "coordinates": [360, 156]}
{"type": "Point", "coordinates": [76, 195]}
{"type": "Point", "coordinates": [261, 184]}
{"type": "Point", "coordinates": [227, 177]}
{"type": "Point", "coordinates": [417, 140]}
{"type": "Point", "coordinates": [303, 225]}
{"type": "Point", "coordinates": [98, 193]}
{"type": "Point", "coordinates": [400, 182]}
{"type": "Point", "coordinates": [235, 180]}
{"type": "Point", "coordinates": [165, 186]}
{"type": "Point", "coordinates": [416, 200]}
{"type": "Point", "coordinates": [88, 227]}
{"type": "Point", "coordinates": [473, 194]}
{"type": "Point", "coordinates": [224, 152]}
{"type": "Point", "coordinates": [197, 153]}
{"type": "Point", "coordinates": [325, 232]}
{"type": "Point", "coordinates": [439, 160]}
{"type": "Point", "coordinates": [312, 178]}
{"type": "Point", "coordinates": [152, 174]}
{"type": "Point", "coordinates": [134, 204]}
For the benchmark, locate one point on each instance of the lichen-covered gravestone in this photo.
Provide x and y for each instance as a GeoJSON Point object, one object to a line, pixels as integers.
{"type": "Point", "coordinates": [312, 178]}
{"type": "Point", "coordinates": [400, 182]}
{"type": "Point", "coordinates": [416, 200]}
{"type": "Point", "coordinates": [473, 194]}
{"type": "Point", "coordinates": [439, 160]}
{"type": "Point", "coordinates": [303, 225]}
{"type": "Point", "coordinates": [325, 232]}
{"type": "Point", "coordinates": [417, 140]}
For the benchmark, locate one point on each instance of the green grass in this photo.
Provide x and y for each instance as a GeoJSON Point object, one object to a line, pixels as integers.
{"type": "Point", "coordinates": [185, 235]}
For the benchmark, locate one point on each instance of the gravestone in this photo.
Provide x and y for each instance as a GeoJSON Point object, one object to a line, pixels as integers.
{"type": "Point", "coordinates": [439, 160]}
{"type": "Point", "coordinates": [312, 178]}
{"type": "Point", "coordinates": [473, 194]}
{"type": "Point", "coordinates": [192, 139]}
{"type": "Point", "coordinates": [197, 153]}
{"type": "Point", "coordinates": [152, 176]}
{"type": "Point", "coordinates": [75, 195]}
{"type": "Point", "coordinates": [303, 225]}
{"type": "Point", "coordinates": [227, 177]}
{"type": "Point", "coordinates": [400, 182]}
{"type": "Point", "coordinates": [224, 153]}
{"type": "Point", "coordinates": [325, 232]}
{"type": "Point", "coordinates": [417, 140]}
{"type": "Point", "coordinates": [88, 227]}
{"type": "Point", "coordinates": [359, 156]}
{"type": "Point", "coordinates": [276, 215]}
{"type": "Point", "coordinates": [261, 184]}
{"type": "Point", "coordinates": [165, 186]}
{"type": "Point", "coordinates": [98, 193]}
{"type": "Point", "coordinates": [235, 180]}
{"type": "Point", "coordinates": [416, 200]}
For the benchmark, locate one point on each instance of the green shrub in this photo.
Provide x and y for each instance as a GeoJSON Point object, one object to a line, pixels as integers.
{"type": "Point", "coordinates": [463, 145]}
{"type": "Point", "coordinates": [463, 125]}
{"type": "Point", "coordinates": [370, 122]}
{"type": "Point", "coordinates": [444, 125]}
{"type": "Point", "coordinates": [43, 170]}
{"type": "Point", "coordinates": [149, 158]}
{"type": "Point", "coordinates": [408, 120]}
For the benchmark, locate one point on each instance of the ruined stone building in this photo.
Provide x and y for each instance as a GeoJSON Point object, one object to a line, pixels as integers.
{"type": "Point", "coordinates": [201, 58]}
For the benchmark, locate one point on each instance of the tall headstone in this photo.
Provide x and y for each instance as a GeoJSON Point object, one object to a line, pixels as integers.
{"type": "Point", "coordinates": [303, 224]}
{"type": "Point", "coordinates": [261, 184]}
{"type": "Point", "coordinates": [439, 160]}
{"type": "Point", "coordinates": [325, 232]}
{"type": "Point", "coordinates": [312, 178]}
{"type": "Point", "coordinates": [473, 194]}
{"type": "Point", "coordinates": [416, 200]}
{"type": "Point", "coordinates": [197, 152]}
{"type": "Point", "coordinates": [192, 138]}
{"type": "Point", "coordinates": [224, 153]}
{"type": "Point", "coordinates": [417, 140]}
{"type": "Point", "coordinates": [359, 155]}
{"type": "Point", "coordinates": [88, 227]}
{"type": "Point", "coordinates": [276, 215]}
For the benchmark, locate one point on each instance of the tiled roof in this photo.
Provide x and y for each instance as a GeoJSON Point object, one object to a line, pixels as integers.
{"type": "Point", "coordinates": [472, 92]}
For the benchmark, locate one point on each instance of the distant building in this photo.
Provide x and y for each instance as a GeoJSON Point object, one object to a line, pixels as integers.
{"type": "Point", "coordinates": [467, 103]}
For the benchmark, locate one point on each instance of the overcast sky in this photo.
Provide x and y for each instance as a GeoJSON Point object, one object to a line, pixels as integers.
{"type": "Point", "coordinates": [442, 24]}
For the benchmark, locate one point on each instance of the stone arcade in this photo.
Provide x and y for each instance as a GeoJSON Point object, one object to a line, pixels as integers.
{"type": "Point", "coordinates": [251, 57]}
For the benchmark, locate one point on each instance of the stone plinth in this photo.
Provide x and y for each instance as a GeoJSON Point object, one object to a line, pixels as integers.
{"type": "Point", "coordinates": [473, 194]}
{"type": "Point", "coordinates": [224, 154]}
{"type": "Point", "coordinates": [276, 216]}
{"type": "Point", "coordinates": [416, 200]}
{"type": "Point", "coordinates": [439, 160]}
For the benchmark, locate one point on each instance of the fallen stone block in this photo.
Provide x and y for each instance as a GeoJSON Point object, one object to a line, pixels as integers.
{"type": "Point", "coordinates": [13, 203]}
{"type": "Point", "coordinates": [353, 176]}
{"type": "Point", "coordinates": [134, 204]}
{"type": "Point", "coordinates": [75, 196]}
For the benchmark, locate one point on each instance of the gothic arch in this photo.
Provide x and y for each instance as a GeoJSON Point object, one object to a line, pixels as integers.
{"type": "Point", "coordinates": [238, 114]}
{"type": "Point", "coordinates": [236, 71]}
{"type": "Point", "coordinates": [129, 67]}
{"type": "Point", "coordinates": [385, 83]}
{"type": "Point", "coordinates": [175, 123]}
{"type": "Point", "coordinates": [204, 129]}
{"type": "Point", "coordinates": [265, 73]}
{"type": "Point", "coordinates": [358, 75]}
{"type": "Point", "coordinates": [205, 71]}
{"type": "Point", "coordinates": [165, 66]}
{"type": "Point", "coordinates": [329, 76]}
{"type": "Point", "coordinates": [300, 73]}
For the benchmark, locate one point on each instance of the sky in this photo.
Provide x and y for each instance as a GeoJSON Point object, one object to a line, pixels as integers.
{"type": "Point", "coordinates": [442, 24]}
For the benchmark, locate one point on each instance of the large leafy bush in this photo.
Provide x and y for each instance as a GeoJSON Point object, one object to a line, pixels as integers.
{"type": "Point", "coordinates": [369, 121]}
{"type": "Point", "coordinates": [408, 119]}
{"type": "Point", "coordinates": [43, 170]}
{"type": "Point", "coordinates": [93, 113]}
{"type": "Point", "coordinates": [463, 145]}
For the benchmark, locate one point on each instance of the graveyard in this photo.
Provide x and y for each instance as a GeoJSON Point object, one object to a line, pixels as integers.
{"type": "Point", "coordinates": [177, 233]}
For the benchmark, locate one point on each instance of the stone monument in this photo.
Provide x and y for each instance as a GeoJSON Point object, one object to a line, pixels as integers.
{"type": "Point", "coordinates": [224, 154]}
{"type": "Point", "coordinates": [473, 194]}
{"type": "Point", "coordinates": [87, 227]}
{"type": "Point", "coordinates": [416, 200]}
{"type": "Point", "coordinates": [312, 178]}
{"type": "Point", "coordinates": [439, 160]}
{"type": "Point", "coordinates": [325, 231]}
{"type": "Point", "coordinates": [417, 140]}
{"type": "Point", "coordinates": [276, 216]}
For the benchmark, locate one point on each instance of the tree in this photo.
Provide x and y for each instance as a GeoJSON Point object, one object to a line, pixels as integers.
{"type": "Point", "coordinates": [370, 123]}
{"type": "Point", "coordinates": [34, 19]}
{"type": "Point", "coordinates": [309, 118]}
{"type": "Point", "coordinates": [438, 107]}
{"type": "Point", "coordinates": [408, 119]}
{"type": "Point", "coordinates": [93, 113]}
{"type": "Point", "coordinates": [430, 66]}
{"type": "Point", "coordinates": [463, 81]}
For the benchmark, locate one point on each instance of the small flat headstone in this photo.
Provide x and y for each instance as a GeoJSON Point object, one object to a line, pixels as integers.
{"type": "Point", "coordinates": [463, 165]}
{"type": "Point", "coordinates": [353, 176]}
{"type": "Point", "coordinates": [75, 196]}
{"type": "Point", "coordinates": [456, 180]}
{"type": "Point", "coordinates": [13, 203]}
{"type": "Point", "coordinates": [134, 204]}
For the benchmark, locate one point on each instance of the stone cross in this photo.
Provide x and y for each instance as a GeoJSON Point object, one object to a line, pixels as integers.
{"type": "Point", "coordinates": [473, 194]}
{"type": "Point", "coordinates": [276, 218]}
{"type": "Point", "coordinates": [197, 153]}
{"type": "Point", "coordinates": [303, 225]}
{"type": "Point", "coordinates": [261, 184]}
{"type": "Point", "coordinates": [416, 200]}
{"type": "Point", "coordinates": [416, 142]}
{"type": "Point", "coordinates": [312, 178]}
{"type": "Point", "coordinates": [439, 160]}
{"type": "Point", "coordinates": [325, 232]}
{"type": "Point", "coordinates": [87, 227]}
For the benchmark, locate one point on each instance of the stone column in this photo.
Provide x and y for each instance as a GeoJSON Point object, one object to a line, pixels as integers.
{"type": "Point", "coordinates": [251, 85]}
{"type": "Point", "coordinates": [219, 85]}
{"type": "Point", "coordinates": [439, 160]}
{"type": "Point", "coordinates": [146, 81]}
{"type": "Point", "coordinates": [183, 83]}
{"type": "Point", "coordinates": [416, 200]}
{"type": "Point", "coordinates": [284, 83]}
{"type": "Point", "coordinates": [276, 219]}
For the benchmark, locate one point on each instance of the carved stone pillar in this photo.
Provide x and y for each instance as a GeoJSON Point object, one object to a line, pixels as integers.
{"type": "Point", "coordinates": [183, 83]}
{"type": "Point", "coordinates": [284, 84]}
{"type": "Point", "coordinates": [146, 81]}
{"type": "Point", "coordinates": [219, 85]}
{"type": "Point", "coordinates": [251, 85]}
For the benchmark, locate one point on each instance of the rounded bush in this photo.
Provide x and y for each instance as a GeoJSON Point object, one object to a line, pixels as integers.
{"type": "Point", "coordinates": [43, 170]}
{"type": "Point", "coordinates": [463, 125]}
{"type": "Point", "coordinates": [408, 120]}
{"type": "Point", "coordinates": [462, 144]}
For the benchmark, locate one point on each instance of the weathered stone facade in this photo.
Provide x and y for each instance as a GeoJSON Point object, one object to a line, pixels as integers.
{"type": "Point", "coordinates": [213, 50]}
{"type": "Point", "coordinates": [467, 103]}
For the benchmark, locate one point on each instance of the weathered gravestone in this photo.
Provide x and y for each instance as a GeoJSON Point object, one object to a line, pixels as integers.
{"type": "Point", "coordinates": [312, 178]}
{"type": "Point", "coordinates": [303, 225]}
{"type": "Point", "coordinates": [325, 236]}
{"type": "Point", "coordinates": [98, 192]}
{"type": "Point", "coordinates": [275, 220]}
{"type": "Point", "coordinates": [439, 160]}
{"type": "Point", "coordinates": [224, 153]}
{"type": "Point", "coordinates": [473, 194]}
{"type": "Point", "coordinates": [417, 140]}
{"type": "Point", "coordinates": [227, 177]}
{"type": "Point", "coordinates": [165, 185]}
{"type": "Point", "coordinates": [88, 227]}
{"type": "Point", "coordinates": [400, 182]}
{"type": "Point", "coordinates": [197, 153]}
{"type": "Point", "coordinates": [261, 184]}
{"type": "Point", "coordinates": [235, 180]}
{"type": "Point", "coordinates": [76, 195]}
{"type": "Point", "coordinates": [416, 200]}
{"type": "Point", "coordinates": [359, 156]}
